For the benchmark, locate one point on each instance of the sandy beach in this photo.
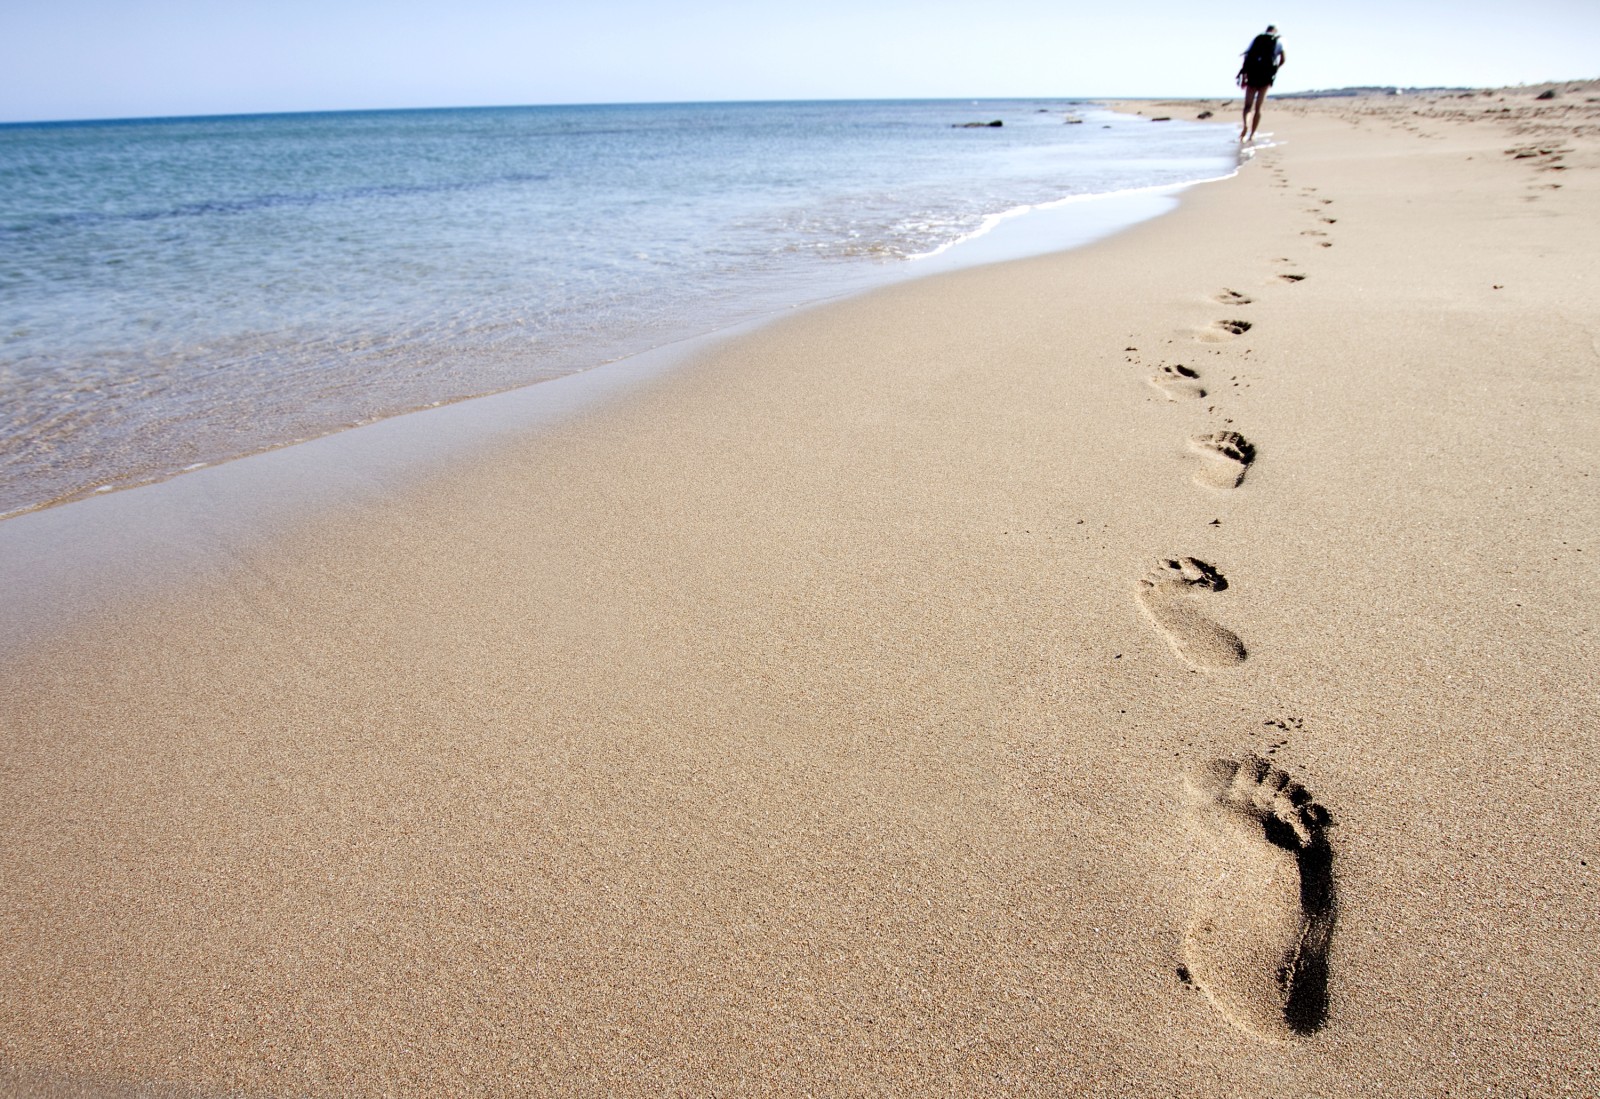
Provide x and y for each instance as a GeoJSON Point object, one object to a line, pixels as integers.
{"type": "Point", "coordinates": [1162, 668]}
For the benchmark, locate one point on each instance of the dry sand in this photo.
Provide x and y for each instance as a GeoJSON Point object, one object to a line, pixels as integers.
{"type": "Point", "coordinates": [838, 715]}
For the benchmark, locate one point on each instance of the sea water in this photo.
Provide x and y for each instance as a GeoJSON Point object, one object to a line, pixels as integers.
{"type": "Point", "coordinates": [177, 292]}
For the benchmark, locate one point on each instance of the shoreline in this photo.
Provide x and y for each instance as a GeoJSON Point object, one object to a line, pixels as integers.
{"type": "Point", "coordinates": [762, 295]}
{"type": "Point", "coordinates": [832, 713]}
{"type": "Point", "coordinates": [1005, 236]}
{"type": "Point", "coordinates": [62, 558]}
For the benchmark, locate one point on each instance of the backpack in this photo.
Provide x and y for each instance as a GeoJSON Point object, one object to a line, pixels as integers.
{"type": "Point", "coordinates": [1262, 56]}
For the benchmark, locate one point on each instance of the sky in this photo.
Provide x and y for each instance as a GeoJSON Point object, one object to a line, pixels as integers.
{"type": "Point", "coordinates": [74, 59]}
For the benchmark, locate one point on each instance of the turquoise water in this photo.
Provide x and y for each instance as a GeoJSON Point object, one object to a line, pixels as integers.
{"type": "Point", "coordinates": [182, 291]}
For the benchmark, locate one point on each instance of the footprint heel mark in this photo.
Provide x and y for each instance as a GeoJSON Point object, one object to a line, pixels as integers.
{"type": "Point", "coordinates": [1178, 382]}
{"type": "Point", "coordinates": [1264, 901]}
{"type": "Point", "coordinates": [1228, 457]}
{"type": "Point", "coordinates": [1170, 597]}
{"type": "Point", "coordinates": [1233, 297]}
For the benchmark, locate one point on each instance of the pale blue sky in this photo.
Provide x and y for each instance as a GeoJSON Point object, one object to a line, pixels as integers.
{"type": "Point", "coordinates": [128, 58]}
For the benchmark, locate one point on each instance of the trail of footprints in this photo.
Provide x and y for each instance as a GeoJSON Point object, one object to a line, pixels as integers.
{"type": "Point", "coordinates": [1257, 942]}
{"type": "Point", "coordinates": [1173, 595]}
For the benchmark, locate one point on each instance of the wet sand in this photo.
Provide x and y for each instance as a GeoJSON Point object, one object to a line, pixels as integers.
{"type": "Point", "coordinates": [1162, 668]}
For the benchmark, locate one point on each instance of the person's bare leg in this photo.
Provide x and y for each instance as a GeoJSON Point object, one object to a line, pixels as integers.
{"type": "Point", "coordinates": [1252, 102]}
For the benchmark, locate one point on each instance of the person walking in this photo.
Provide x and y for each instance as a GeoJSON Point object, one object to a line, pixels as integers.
{"type": "Point", "coordinates": [1261, 64]}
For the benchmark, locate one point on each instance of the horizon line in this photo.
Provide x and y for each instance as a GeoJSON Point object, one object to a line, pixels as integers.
{"type": "Point", "coordinates": [108, 120]}
{"type": "Point", "coordinates": [1099, 98]}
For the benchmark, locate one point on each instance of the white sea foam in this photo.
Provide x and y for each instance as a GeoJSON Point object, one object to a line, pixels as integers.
{"type": "Point", "coordinates": [1109, 199]}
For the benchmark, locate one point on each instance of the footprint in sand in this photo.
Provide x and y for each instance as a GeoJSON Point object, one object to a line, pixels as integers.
{"type": "Point", "coordinates": [1228, 455]}
{"type": "Point", "coordinates": [1233, 297]}
{"type": "Point", "coordinates": [1168, 597]}
{"type": "Point", "coordinates": [1264, 906]}
{"type": "Point", "coordinates": [1292, 278]}
{"type": "Point", "coordinates": [1224, 330]}
{"type": "Point", "coordinates": [1178, 382]}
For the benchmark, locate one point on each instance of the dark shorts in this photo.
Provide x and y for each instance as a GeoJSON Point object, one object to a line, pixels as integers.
{"type": "Point", "coordinates": [1260, 79]}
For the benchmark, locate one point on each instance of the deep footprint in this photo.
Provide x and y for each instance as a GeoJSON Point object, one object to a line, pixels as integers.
{"type": "Point", "coordinates": [1228, 455]}
{"type": "Point", "coordinates": [1233, 297]}
{"type": "Point", "coordinates": [1168, 597]}
{"type": "Point", "coordinates": [1264, 905]}
{"type": "Point", "coordinates": [1178, 382]}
